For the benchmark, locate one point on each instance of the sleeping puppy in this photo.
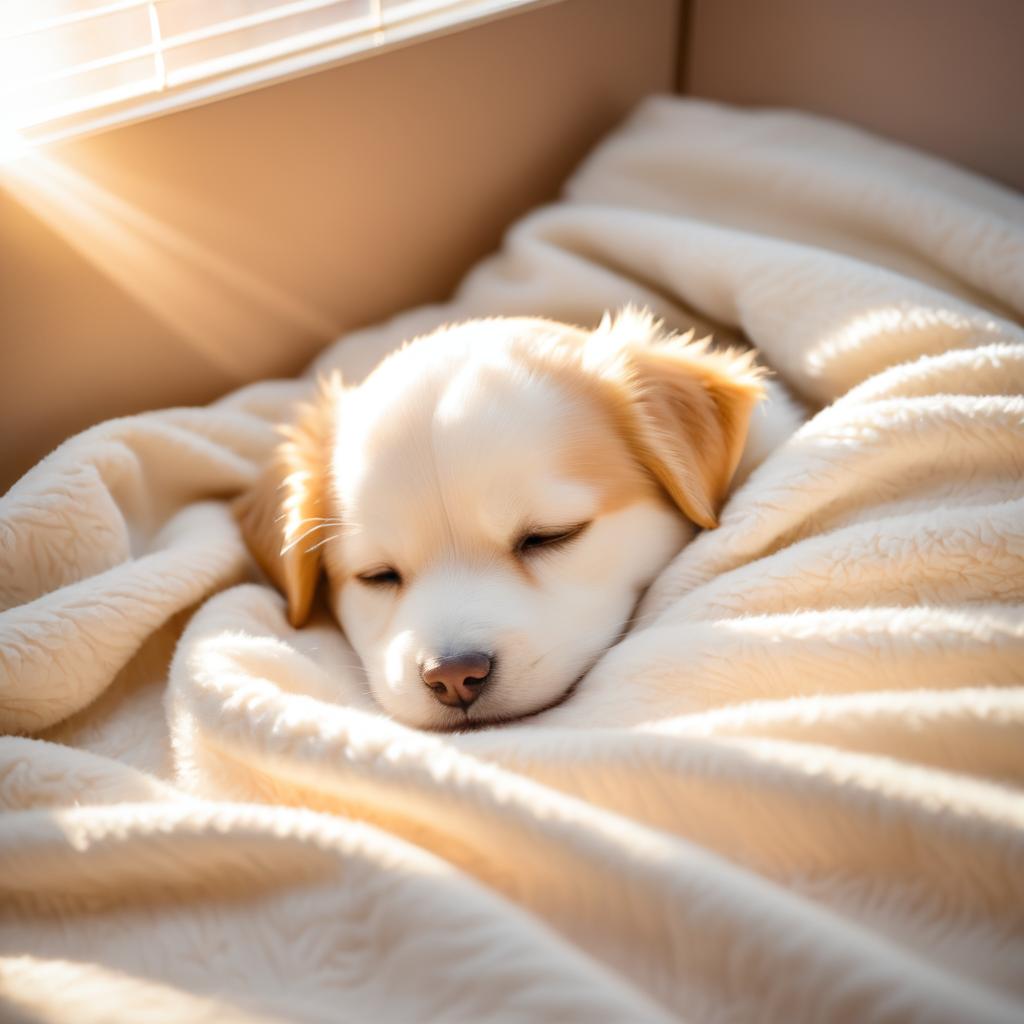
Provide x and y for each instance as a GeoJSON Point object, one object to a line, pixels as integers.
{"type": "Point", "coordinates": [489, 505]}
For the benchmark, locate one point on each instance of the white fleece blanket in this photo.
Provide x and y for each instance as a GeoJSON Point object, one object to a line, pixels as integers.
{"type": "Point", "coordinates": [792, 793]}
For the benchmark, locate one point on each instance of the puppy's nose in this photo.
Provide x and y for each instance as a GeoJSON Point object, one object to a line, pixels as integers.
{"type": "Point", "coordinates": [458, 679]}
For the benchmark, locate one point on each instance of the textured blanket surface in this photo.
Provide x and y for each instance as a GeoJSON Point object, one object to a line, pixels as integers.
{"type": "Point", "coordinates": [793, 792]}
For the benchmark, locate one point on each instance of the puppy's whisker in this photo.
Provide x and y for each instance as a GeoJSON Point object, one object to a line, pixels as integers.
{"type": "Point", "coordinates": [320, 524]}
{"type": "Point", "coordinates": [326, 540]}
{"type": "Point", "coordinates": [302, 536]}
{"type": "Point", "coordinates": [309, 519]}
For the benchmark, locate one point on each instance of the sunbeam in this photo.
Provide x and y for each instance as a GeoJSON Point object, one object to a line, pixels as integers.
{"type": "Point", "coordinates": [233, 317]}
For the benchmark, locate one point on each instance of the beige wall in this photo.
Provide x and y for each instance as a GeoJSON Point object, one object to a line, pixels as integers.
{"type": "Point", "coordinates": [169, 261]}
{"type": "Point", "coordinates": [943, 75]}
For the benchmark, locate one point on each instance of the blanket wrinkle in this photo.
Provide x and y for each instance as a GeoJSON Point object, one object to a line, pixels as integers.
{"type": "Point", "coordinates": [923, 218]}
{"type": "Point", "coordinates": [793, 791]}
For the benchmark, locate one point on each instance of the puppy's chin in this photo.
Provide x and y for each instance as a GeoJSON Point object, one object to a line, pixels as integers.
{"type": "Point", "coordinates": [438, 718]}
{"type": "Point", "coordinates": [420, 710]}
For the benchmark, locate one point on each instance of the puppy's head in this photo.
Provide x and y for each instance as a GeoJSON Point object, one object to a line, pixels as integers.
{"type": "Point", "coordinates": [491, 502]}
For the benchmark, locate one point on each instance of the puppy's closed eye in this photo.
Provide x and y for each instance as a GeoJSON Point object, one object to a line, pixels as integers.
{"type": "Point", "coordinates": [552, 538]}
{"type": "Point", "coordinates": [384, 576]}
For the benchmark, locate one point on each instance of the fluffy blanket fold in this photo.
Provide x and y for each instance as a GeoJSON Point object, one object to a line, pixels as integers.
{"type": "Point", "coordinates": [793, 792]}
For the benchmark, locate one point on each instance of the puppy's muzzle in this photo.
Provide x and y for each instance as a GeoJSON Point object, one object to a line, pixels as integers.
{"type": "Point", "coordinates": [457, 680]}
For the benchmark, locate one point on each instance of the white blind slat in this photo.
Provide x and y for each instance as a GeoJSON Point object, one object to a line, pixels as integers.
{"type": "Point", "coordinates": [14, 27]}
{"type": "Point", "coordinates": [69, 67]}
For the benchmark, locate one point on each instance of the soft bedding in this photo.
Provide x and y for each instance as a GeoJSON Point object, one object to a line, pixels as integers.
{"type": "Point", "coordinates": [792, 792]}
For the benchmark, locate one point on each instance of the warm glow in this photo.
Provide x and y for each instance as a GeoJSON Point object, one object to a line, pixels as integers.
{"type": "Point", "coordinates": [12, 145]}
{"type": "Point", "coordinates": [890, 328]}
{"type": "Point", "coordinates": [235, 318]}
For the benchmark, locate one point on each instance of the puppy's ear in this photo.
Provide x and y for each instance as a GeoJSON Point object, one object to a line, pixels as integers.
{"type": "Point", "coordinates": [281, 515]}
{"type": "Point", "coordinates": [683, 407]}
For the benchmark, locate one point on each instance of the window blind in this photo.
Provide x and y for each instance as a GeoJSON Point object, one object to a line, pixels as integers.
{"type": "Point", "coordinates": [68, 67]}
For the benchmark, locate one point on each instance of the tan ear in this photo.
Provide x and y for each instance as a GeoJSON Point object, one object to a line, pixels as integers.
{"type": "Point", "coordinates": [685, 408]}
{"type": "Point", "coordinates": [282, 516]}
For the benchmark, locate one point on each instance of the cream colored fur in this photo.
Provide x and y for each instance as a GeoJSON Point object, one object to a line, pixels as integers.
{"type": "Point", "coordinates": [793, 792]}
{"type": "Point", "coordinates": [463, 443]}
